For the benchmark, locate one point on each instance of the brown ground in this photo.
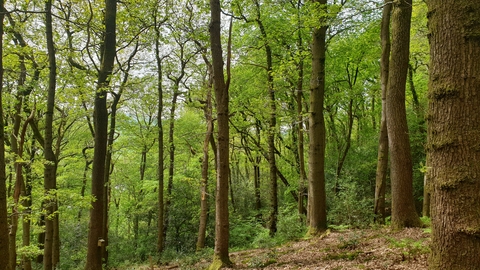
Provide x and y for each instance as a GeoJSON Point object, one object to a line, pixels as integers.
{"type": "Point", "coordinates": [348, 249]}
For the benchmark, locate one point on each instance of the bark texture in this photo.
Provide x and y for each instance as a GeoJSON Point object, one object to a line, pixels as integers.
{"type": "Point", "coordinates": [382, 159]}
{"type": "Point", "coordinates": [50, 167]}
{"type": "Point", "coordinates": [221, 256]}
{"type": "Point", "coordinates": [316, 178]}
{"type": "Point", "coordinates": [4, 241]}
{"type": "Point", "coordinates": [95, 235]}
{"type": "Point", "coordinates": [454, 132]}
{"type": "Point", "coordinates": [401, 174]}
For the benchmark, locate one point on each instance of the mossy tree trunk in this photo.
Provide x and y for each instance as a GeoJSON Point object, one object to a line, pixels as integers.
{"type": "Point", "coordinates": [453, 133]}
{"type": "Point", "coordinates": [382, 159]}
{"type": "Point", "coordinates": [401, 174]}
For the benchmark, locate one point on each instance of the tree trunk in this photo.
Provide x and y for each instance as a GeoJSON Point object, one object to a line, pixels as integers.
{"type": "Point", "coordinates": [453, 132]}
{"type": "Point", "coordinates": [4, 241]}
{"type": "Point", "coordinates": [317, 213]}
{"type": "Point", "coordinates": [401, 174]}
{"type": "Point", "coordinates": [382, 159]}
{"type": "Point", "coordinates": [50, 165]}
{"type": "Point", "coordinates": [202, 228]}
{"type": "Point", "coordinates": [95, 233]}
{"type": "Point", "coordinates": [221, 256]}
{"type": "Point", "coordinates": [171, 165]}
{"type": "Point", "coordinates": [160, 174]}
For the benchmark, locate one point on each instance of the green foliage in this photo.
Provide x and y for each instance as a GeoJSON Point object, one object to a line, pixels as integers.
{"type": "Point", "coordinates": [409, 247]}
{"type": "Point", "coordinates": [349, 207]}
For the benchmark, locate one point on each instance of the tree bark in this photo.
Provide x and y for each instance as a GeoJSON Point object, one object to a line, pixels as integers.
{"type": "Point", "coordinates": [382, 159]}
{"type": "Point", "coordinates": [95, 233]}
{"type": "Point", "coordinates": [221, 255]}
{"type": "Point", "coordinates": [202, 227]}
{"type": "Point", "coordinates": [4, 241]}
{"type": "Point", "coordinates": [272, 224]}
{"type": "Point", "coordinates": [160, 173]}
{"type": "Point", "coordinates": [317, 213]}
{"type": "Point", "coordinates": [50, 165]}
{"type": "Point", "coordinates": [453, 132]}
{"type": "Point", "coordinates": [401, 174]}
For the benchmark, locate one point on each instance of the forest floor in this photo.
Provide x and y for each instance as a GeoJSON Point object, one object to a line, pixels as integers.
{"type": "Point", "coordinates": [344, 249]}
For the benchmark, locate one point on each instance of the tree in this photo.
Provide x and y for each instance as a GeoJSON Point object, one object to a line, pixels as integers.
{"type": "Point", "coordinates": [317, 211]}
{"type": "Point", "coordinates": [95, 237]}
{"type": "Point", "coordinates": [453, 121]}
{"type": "Point", "coordinates": [401, 174]}
{"type": "Point", "coordinates": [221, 256]}
{"type": "Point", "coordinates": [50, 257]}
{"type": "Point", "coordinates": [4, 241]}
{"type": "Point", "coordinates": [382, 160]}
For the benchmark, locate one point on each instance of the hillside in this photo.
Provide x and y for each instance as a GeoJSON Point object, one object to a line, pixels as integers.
{"type": "Point", "coordinates": [346, 249]}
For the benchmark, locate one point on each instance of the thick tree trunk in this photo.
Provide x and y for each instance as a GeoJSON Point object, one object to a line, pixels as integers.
{"type": "Point", "coordinates": [95, 233]}
{"type": "Point", "coordinates": [317, 213]}
{"type": "Point", "coordinates": [221, 255]}
{"type": "Point", "coordinates": [453, 132]}
{"type": "Point", "coordinates": [382, 159]}
{"type": "Point", "coordinates": [401, 171]}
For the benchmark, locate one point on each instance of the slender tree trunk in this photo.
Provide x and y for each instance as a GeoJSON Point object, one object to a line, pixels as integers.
{"type": "Point", "coordinates": [4, 241]}
{"type": "Point", "coordinates": [382, 159]}
{"type": "Point", "coordinates": [317, 213]}
{"type": "Point", "coordinates": [301, 141]}
{"type": "Point", "coordinates": [160, 174]}
{"type": "Point", "coordinates": [273, 216]}
{"type": "Point", "coordinates": [95, 233]}
{"type": "Point", "coordinates": [221, 254]}
{"type": "Point", "coordinates": [50, 166]}
{"type": "Point", "coordinates": [453, 132]}
{"type": "Point", "coordinates": [171, 166]}
{"type": "Point", "coordinates": [401, 174]}
{"type": "Point", "coordinates": [202, 228]}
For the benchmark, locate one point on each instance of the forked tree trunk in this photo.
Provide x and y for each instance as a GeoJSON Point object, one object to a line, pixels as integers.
{"type": "Point", "coordinates": [401, 169]}
{"type": "Point", "coordinates": [453, 133]}
{"type": "Point", "coordinates": [382, 159]}
{"type": "Point", "coordinates": [317, 211]}
{"type": "Point", "coordinates": [95, 232]}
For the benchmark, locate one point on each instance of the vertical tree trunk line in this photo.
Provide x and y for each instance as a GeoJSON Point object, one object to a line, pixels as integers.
{"type": "Point", "coordinates": [401, 169]}
{"type": "Point", "coordinates": [221, 254]}
{"type": "Point", "coordinates": [95, 236]}
{"type": "Point", "coordinates": [317, 214]}
{"type": "Point", "coordinates": [453, 132]}
{"type": "Point", "coordinates": [50, 259]}
{"type": "Point", "coordinates": [382, 158]}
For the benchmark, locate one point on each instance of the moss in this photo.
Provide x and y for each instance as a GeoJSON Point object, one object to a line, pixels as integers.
{"type": "Point", "coordinates": [471, 231]}
{"type": "Point", "coordinates": [443, 92]}
{"type": "Point", "coordinates": [471, 30]}
{"type": "Point", "coordinates": [455, 177]}
{"type": "Point", "coordinates": [219, 263]}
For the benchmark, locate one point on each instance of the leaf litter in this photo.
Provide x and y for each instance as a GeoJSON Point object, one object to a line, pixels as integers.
{"type": "Point", "coordinates": [344, 249]}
